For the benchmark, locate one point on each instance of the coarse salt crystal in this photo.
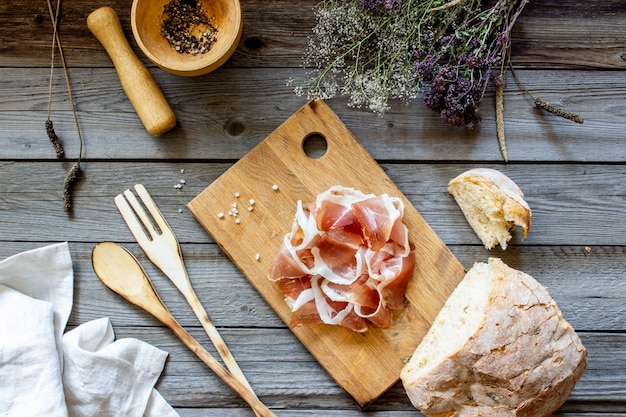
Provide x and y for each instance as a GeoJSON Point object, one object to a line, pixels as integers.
{"type": "Point", "coordinates": [250, 208]}
{"type": "Point", "coordinates": [237, 194]}
{"type": "Point", "coordinates": [237, 221]}
{"type": "Point", "coordinates": [275, 187]}
{"type": "Point", "coordinates": [220, 215]}
{"type": "Point", "coordinates": [182, 181]}
{"type": "Point", "coordinates": [251, 202]}
{"type": "Point", "coordinates": [257, 256]}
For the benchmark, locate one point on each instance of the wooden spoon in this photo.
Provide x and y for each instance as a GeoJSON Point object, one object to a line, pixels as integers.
{"type": "Point", "coordinates": [119, 270]}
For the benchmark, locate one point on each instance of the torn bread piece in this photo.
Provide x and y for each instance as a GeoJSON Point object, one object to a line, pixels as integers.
{"type": "Point", "coordinates": [498, 347]}
{"type": "Point", "coordinates": [492, 204]}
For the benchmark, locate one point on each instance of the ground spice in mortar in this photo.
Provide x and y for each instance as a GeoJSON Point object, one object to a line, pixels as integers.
{"type": "Point", "coordinates": [187, 28]}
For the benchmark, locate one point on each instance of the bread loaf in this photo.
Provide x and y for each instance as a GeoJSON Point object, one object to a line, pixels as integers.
{"type": "Point", "coordinates": [492, 204]}
{"type": "Point", "coordinates": [499, 347]}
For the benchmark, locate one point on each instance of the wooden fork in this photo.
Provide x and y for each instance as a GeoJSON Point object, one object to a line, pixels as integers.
{"type": "Point", "coordinates": [160, 244]}
{"type": "Point", "coordinates": [119, 270]}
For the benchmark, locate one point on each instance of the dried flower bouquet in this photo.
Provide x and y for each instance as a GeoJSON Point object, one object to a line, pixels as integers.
{"type": "Point", "coordinates": [376, 50]}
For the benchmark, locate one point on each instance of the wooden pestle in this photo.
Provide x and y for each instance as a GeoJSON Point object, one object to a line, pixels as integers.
{"type": "Point", "coordinates": [138, 83]}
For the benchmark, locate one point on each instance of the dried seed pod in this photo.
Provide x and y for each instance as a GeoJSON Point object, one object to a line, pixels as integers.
{"type": "Point", "coordinates": [58, 147]}
{"type": "Point", "coordinates": [70, 179]}
{"type": "Point", "coordinates": [72, 175]}
{"type": "Point", "coordinates": [556, 110]}
{"type": "Point", "coordinates": [500, 117]}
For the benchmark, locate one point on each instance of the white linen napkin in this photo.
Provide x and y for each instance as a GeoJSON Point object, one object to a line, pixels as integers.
{"type": "Point", "coordinates": [82, 373]}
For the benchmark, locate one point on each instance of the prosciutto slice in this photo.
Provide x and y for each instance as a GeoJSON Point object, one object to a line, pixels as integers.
{"type": "Point", "coordinates": [346, 261]}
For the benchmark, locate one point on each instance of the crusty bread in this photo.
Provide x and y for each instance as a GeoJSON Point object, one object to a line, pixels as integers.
{"type": "Point", "coordinates": [492, 204]}
{"type": "Point", "coordinates": [499, 347]}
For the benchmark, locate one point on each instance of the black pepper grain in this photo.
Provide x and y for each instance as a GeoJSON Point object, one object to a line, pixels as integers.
{"type": "Point", "coordinates": [187, 28]}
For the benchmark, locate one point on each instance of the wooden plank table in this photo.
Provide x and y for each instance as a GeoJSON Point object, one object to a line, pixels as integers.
{"type": "Point", "coordinates": [569, 52]}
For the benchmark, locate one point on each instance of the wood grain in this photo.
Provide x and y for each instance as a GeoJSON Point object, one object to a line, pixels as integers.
{"type": "Point", "coordinates": [210, 128]}
{"type": "Point", "coordinates": [569, 52]}
{"type": "Point", "coordinates": [550, 33]}
{"type": "Point", "coordinates": [585, 285]}
{"type": "Point", "coordinates": [564, 199]}
{"type": "Point", "coordinates": [365, 365]}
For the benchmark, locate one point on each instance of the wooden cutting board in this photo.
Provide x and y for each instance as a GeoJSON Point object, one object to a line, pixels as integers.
{"type": "Point", "coordinates": [364, 365]}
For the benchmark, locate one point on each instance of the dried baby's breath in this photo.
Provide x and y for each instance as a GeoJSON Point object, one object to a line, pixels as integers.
{"type": "Point", "coordinates": [366, 56]}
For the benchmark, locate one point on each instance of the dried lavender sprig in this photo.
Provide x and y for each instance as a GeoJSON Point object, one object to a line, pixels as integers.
{"type": "Point", "coordinates": [459, 68]}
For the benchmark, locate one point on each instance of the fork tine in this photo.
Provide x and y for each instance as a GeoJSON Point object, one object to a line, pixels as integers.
{"type": "Point", "coordinates": [133, 223]}
{"type": "Point", "coordinates": [149, 203]}
{"type": "Point", "coordinates": [140, 212]}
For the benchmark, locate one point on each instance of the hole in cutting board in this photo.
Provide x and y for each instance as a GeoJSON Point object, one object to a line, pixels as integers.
{"type": "Point", "coordinates": [315, 146]}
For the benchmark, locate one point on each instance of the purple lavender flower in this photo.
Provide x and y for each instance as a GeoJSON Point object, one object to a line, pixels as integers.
{"type": "Point", "coordinates": [459, 69]}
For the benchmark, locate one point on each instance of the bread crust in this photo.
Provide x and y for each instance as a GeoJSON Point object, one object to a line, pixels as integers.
{"type": "Point", "coordinates": [522, 361]}
{"type": "Point", "coordinates": [500, 191]}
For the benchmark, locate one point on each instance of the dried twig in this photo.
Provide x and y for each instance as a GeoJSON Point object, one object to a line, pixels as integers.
{"type": "Point", "coordinates": [446, 6]}
{"type": "Point", "coordinates": [54, 139]}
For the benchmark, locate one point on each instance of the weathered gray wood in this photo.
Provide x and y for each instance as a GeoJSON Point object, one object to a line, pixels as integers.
{"type": "Point", "coordinates": [210, 127]}
{"type": "Point", "coordinates": [568, 52]}
{"type": "Point", "coordinates": [588, 286]}
{"type": "Point", "coordinates": [549, 33]}
{"type": "Point", "coordinates": [564, 199]}
{"type": "Point", "coordinates": [539, 39]}
{"type": "Point", "coordinates": [285, 376]}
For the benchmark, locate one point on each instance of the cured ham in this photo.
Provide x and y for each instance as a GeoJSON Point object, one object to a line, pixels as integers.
{"type": "Point", "coordinates": [346, 261]}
